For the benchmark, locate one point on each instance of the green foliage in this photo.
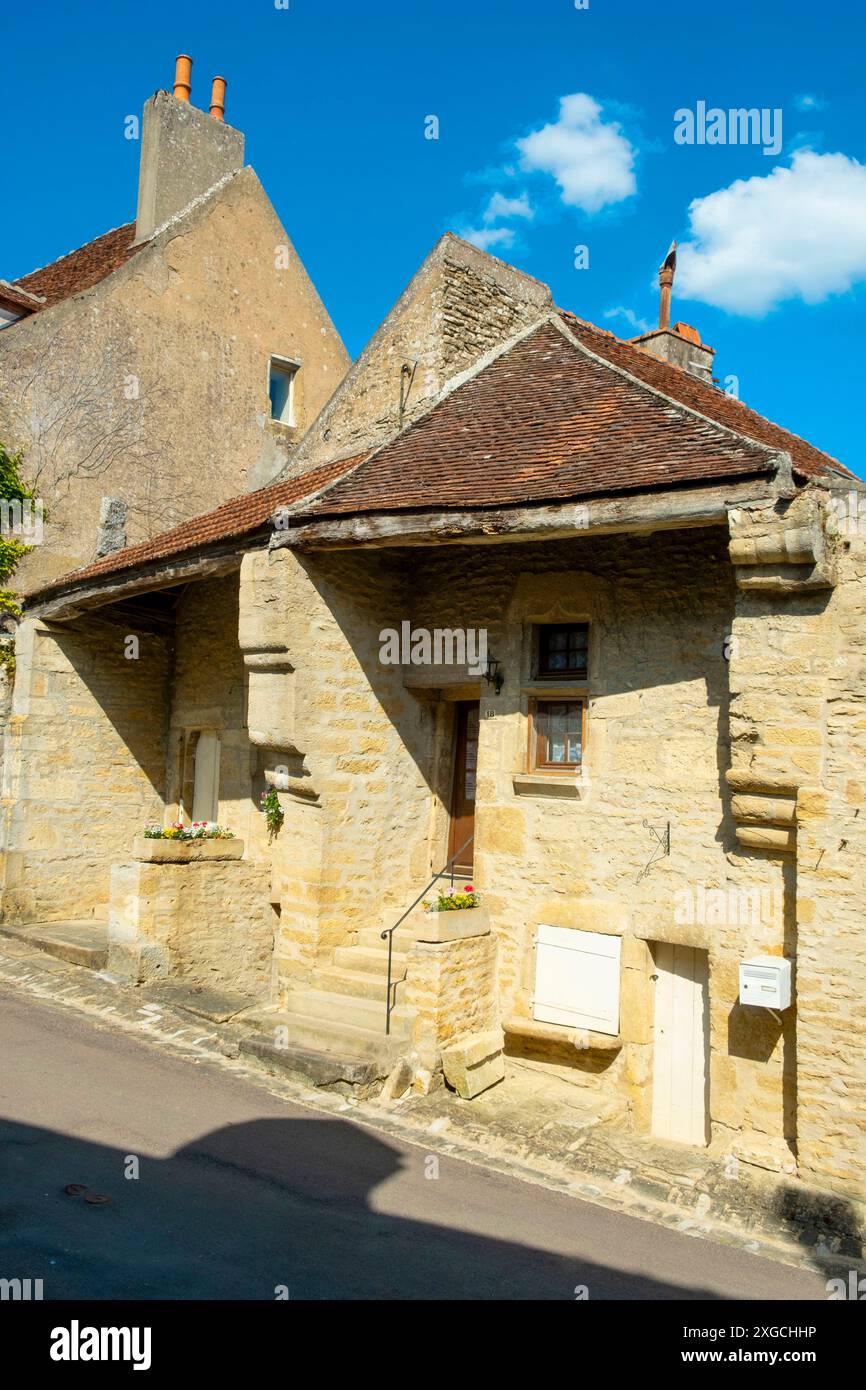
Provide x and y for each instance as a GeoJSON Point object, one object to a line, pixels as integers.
{"type": "Point", "coordinates": [12, 489]}
{"type": "Point", "coordinates": [270, 804]}
{"type": "Point", "coordinates": [453, 902]}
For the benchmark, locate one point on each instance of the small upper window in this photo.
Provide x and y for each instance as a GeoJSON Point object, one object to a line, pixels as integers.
{"type": "Point", "coordinates": [562, 651]}
{"type": "Point", "coordinates": [281, 387]}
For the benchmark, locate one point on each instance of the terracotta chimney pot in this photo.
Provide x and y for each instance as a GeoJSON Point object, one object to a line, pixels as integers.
{"type": "Point", "coordinates": [218, 99]}
{"type": "Point", "coordinates": [182, 76]}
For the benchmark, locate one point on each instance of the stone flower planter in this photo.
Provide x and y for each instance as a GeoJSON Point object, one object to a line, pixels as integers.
{"type": "Point", "coordinates": [185, 851]}
{"type": "Point", "coordinates": [458, 924]}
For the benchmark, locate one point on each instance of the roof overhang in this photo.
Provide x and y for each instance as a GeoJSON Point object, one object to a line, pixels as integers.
{"type": "Point", "coordinates": [671, 509]}
{"type": "Point", "coordinates": [64, 602]}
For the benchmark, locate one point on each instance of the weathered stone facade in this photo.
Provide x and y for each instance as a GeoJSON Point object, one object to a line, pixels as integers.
{"type": "Point", "coordinates": [151, 386]}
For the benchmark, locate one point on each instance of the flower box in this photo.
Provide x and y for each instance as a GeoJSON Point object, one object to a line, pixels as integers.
{"type": "Point", "coordinates": [454, 925]}
{"type": "Point", "coordinates": [185, 851]}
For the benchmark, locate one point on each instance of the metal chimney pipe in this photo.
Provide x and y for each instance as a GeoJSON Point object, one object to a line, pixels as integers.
{"type": "Point", "coordinates": [667, 271]}
{"type": "Point", "coordinates": [182, 76]}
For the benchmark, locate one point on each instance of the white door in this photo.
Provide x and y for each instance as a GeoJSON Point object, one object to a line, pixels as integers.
{"type": "Point", "coordinates": [205, 796]}
{"type": "Point", "coordinates": [682, 1044]}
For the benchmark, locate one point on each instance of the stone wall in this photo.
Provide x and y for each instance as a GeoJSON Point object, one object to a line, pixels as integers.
{"type": "Point", "coordinates": [209, 693]}
{"type": "Point", "coordinates": [85, 764]}
{"type": "Point", "coordinates": [461, 304]}
{"type": "Point", "coordinates": [206, 925]}
{"type": "Point", "coordinates": [153, 386]}
{"type": "Point", "coordinates": [831, 903]}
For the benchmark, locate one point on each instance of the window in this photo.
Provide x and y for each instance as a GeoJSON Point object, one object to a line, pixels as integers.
{"type": "Point", "coordinates": [562, 651]}
{"type": "Point", "coordinates": [281, 388]}
{"type": "Point", "coordinates": [557, 734]}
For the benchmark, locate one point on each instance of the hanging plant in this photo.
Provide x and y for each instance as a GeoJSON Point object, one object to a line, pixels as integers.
{"type": "Point", "coordinates": [274, 815]}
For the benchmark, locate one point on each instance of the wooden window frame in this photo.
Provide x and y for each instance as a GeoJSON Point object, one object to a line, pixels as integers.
{"type": "Point", "coordinates": [534, 763]}
{"type": "Point", "coordinates": [572, 674]}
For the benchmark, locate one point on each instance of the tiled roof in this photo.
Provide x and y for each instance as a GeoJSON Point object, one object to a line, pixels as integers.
{"type": "Point", "coordinates": [238, 517]}
{"type": "Point", "coordinates": [80, 269]}
{"type": "Point", "coordinates": [545, 421]}
{"type": "Point", "coordinates": [19, 298]}
{"type": "Point", "coordinates": [701, 396]}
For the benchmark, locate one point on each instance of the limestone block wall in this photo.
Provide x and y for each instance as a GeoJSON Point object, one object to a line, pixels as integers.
{"type": "Point", "coordinates": [452, 987]}
{"type": "Point", "coordinates": [206, 924]}
{"type": "Point", "coordinates": [345, 743]}
{"type": "Point", "coordinates": [209, 693]}
{"type": "Point", "coordinates": [831, 906]}
{"type": "Point", "coordinates": [461, 304]}
{"type": "Point", "coordinates": [84, 766]}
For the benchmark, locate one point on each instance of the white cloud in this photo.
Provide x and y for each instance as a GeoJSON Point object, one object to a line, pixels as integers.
{"type": "Point", "coordinates": [501, 207]}
{"type": "Point", "coordinates": [591, 159]}
{"type": "Point", "coordinates": [621, 312]}
{"type": "Point", "coordinates": [485, 237]}
{"type": "Point", "coordinates": [796, 233]}
{"type": "Point", "coordinates": [809, 102]}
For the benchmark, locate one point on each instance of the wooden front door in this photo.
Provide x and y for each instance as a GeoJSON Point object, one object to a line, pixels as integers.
{"type": "Point", "coordinates": [463, 794]}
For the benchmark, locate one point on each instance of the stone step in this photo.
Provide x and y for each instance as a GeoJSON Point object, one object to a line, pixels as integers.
{"type": "Point", "coordinates": [291, 1030]}
{"type": "Point", "coordinates": [370, 938]}
{"type": "Point", "coordinates": [323, 1053]}
{"type": "Point", "coordinates": [80, 943]}
{"type": "Point", "coordinates": [372, 960]}
{"type": "Point", "coordinates": [345, 1009]}
{"type": "Point", "coordinates": [359, 984]}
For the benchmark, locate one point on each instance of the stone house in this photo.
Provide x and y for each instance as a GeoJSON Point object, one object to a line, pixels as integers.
{"type": "Point", "coordinates": [652, 768]}
{"type": "Point", "coordinates": [170, 363]}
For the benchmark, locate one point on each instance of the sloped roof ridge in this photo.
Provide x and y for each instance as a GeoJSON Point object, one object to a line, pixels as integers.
{"type": "Point", "coordinates": [629, 347]}
{"type": "Point", "coordinates": [772, 450]}
{"type": "Point", "coordinates": [38, 270]}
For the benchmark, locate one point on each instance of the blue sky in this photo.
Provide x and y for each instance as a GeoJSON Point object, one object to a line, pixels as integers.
{"type": "Point", "coordinates": [556, 129]}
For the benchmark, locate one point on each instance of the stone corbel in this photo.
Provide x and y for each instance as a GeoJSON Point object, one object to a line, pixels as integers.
{"type": "Point", "coordinates": [782, 554]}
{"type": "Point", "coordinates": [764, 806]}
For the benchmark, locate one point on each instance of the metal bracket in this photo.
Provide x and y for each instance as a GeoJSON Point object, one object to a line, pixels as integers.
{"type": "Point", "coordinates": [663, 839]}
{"type": "Point", "coordinates": [407, 376]}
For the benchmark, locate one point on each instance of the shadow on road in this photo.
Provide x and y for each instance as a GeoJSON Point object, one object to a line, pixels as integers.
{"type": "Point", "coordinates": [273, 1204]}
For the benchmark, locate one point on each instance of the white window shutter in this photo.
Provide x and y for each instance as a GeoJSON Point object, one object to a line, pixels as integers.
{"type": "Point", "coordinates": [577, 979]}
{"type": "Point", "coordinates": [205, 796]}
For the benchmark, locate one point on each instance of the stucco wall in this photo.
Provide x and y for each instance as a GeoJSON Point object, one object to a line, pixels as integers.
{"type": "Point", "coordinates": [188, 323]}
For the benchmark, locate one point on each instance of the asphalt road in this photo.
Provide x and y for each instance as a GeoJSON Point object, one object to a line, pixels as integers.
{"type": "Point", "coordinates": [239, 1193]}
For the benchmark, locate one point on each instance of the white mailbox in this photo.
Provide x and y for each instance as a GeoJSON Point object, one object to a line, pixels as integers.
{"type": "Point", "coordinates": [766, 981]}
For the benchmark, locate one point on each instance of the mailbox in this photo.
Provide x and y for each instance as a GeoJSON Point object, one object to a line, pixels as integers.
{"type": "Point", "coordinates": [766, 981]}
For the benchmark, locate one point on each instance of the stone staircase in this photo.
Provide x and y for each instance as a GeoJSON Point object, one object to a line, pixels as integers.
{"type": "Point", "coordinates": [332, 1031]}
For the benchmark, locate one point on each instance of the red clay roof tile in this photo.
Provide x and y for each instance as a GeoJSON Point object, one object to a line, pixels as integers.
{"type": "Point", "coordinates": [546, 421]}
{"type": "Point", "coordinates": [238, 517]}
{"type": "Point", "coordinates": [81, 269]}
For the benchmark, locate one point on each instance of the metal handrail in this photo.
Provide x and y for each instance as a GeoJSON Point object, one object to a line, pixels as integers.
{"type": "Point", "coordinates": [389, 931]}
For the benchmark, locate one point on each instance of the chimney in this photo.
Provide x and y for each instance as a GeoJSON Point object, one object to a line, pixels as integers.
{"type": "Point", "coordinates": [680, 345]}
{"type": "Point", "coordinates": [184, 152]}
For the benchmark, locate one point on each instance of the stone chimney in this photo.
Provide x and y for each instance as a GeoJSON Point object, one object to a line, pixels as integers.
{"type": "Point", "coordinates": [184, 152]}
{"type": "Point", "coordinates": [680, 345]}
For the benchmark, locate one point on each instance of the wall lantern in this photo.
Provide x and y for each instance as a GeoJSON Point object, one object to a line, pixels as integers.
{"type": "Point", "coordinates": [493, 674]}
